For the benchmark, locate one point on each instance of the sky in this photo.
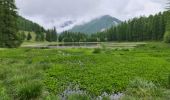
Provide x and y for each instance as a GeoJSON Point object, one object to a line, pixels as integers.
{"type": "Point", "coordinates": [50, 13]}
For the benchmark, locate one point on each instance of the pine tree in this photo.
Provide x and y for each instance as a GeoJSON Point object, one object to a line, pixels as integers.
{"type": "Point", "coordinates": [29, 37]}
{"type": "Point", "coordinates": [8, 24]}
{"type": "Point", "coordinates": [54, 34]}
{"type": "Point", "coordinates": [51, 35]}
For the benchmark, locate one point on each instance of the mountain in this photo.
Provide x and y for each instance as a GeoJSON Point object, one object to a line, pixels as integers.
{"type": "Point", "coordinates": [66, 24]}
{"type": "Point", "coordinates": [27, 25]}
{"type": "Point", "coordinates": [97, 25]}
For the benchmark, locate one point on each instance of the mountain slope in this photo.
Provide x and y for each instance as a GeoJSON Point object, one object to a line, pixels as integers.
{"type": "Point", "coordinates": [27, 25]}
{"type": "Point", "coordinates": [96, 25]}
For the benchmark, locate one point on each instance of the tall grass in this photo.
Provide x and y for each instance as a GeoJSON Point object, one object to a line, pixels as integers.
{"type": "Point", "coordinates": [28, 90]}
{"type": "Point", "coordinates": [142, 89]}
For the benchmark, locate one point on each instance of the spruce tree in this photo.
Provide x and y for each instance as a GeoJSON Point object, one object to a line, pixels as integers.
{"type": "Point", "coordinates": [29, 37]}
{"type": "Point", "coordinates": [8, 24]}
{"type": "Point", "coordinates": [54, 34]}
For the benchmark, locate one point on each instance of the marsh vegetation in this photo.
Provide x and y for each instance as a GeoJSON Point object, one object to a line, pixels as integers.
{"type": "Point", "coordinates": [141, 71]}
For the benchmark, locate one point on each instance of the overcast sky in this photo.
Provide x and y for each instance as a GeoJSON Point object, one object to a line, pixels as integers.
{"type": "Point", "coordinates": [54, 12]}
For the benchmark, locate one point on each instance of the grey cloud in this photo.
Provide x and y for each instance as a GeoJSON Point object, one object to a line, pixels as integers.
{"type": "Point", "coordinates": [57, 8]}
{"type": "Point", "coordinates": [54, 12]}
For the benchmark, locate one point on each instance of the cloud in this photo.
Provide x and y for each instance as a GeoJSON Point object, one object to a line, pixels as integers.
{"type": "Point", "coordinates": [54, 12]}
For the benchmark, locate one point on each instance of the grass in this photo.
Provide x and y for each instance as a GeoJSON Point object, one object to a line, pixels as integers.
{"type": "Point", "coordinates": [45, 73]}
{"type": "Point", "coordinates": [78, 97]}
{"type": "Point", "coordinates": [28, 90]}
{"type": "Point", "coordinates": [142, 89]}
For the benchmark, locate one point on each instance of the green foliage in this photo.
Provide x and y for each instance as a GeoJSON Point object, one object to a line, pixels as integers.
{"type": "Point", "coordinates": [72, 37]}
{"type": "Point", "coordinates": [21, 79]}
{"type": "Point", "coordinates": [109, 72]}
{"type": "Point", "coordinates": [97, 50]}
{"type": "Point", "coordinates": [141, 89]}
{"type": "Point", "coordinates": [78, 97]}
{"type": "Point", "coordinates": [167, 33]}
{"type": "Point", "coordinates": [169, 81]}
{"type": "Point", "coordinates": [8, 27]}
{"type": "Point", "coordinates": [51, 97]}
{"type": "Point", "coordinates": [27, 25]}
{"type": "Point", "coordinates": [3, 93]}
{"type": "Point", "coordinates": [167, 37]}
{"type": "Point", "coordinates": [29, 90]}
{"type": "Point", "coordinates": [29, 37]}
{"type": "Point", "coordinates": [106, 98]}
{"type": "Point", "coordinates": [48, 72]}
{"type": "Point", "coordinates": [51, 35]}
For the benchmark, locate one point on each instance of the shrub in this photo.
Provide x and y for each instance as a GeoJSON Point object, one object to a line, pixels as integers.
{"type": "Point", "coordinates": [97, 50]}
{"type": "Point", "coordinates": [125, 49]}
{"type": "Point", "coordinates": [167, 37]}
{"type": "Point", "coordinates": [29, 90]}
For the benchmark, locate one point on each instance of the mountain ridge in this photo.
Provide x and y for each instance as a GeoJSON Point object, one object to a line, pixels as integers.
{"type": "Point", "coordinates": [97, 25]}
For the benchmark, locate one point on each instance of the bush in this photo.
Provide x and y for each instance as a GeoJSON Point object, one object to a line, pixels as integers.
{"type": "Point", "coordinates": [167, 37]}
{"type": "Point", "coordinates": [29, 90]}
{"type": "Point", "coordinates": [97, 50]}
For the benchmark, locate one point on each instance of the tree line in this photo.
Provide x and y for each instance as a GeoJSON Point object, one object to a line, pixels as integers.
{"type": "Point", "coordinates": [150, 28]}
{"type": "Point", "coordinates": [137, 29]}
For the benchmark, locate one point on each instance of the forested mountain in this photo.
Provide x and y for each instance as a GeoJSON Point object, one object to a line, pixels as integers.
{"type": "Point", "coordinates": [29, 30]}
{"type": "Point", "coordinates": [137, 29]}
{"type": "Point", "coordinates": [97, 25]}
{"type": "Point", "coordinates": [32, 31]}
{"type": "Point", "coordinates": [27, 25]}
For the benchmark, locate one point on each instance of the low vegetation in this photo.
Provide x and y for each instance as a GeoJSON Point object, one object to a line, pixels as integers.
{"type": "Point", "coordinates": [167, 37]}
{"type": "Point", "coordinates": [46, 73]}
{"type": "Point", "coordinates": [142, 89]}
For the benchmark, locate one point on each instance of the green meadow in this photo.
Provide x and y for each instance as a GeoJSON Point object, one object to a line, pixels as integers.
{"type": "Point", "coordinates": [135, 71]}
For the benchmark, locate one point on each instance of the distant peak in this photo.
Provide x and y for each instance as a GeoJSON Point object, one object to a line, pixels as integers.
{"type": "Point", "coordinates": [106, 16]}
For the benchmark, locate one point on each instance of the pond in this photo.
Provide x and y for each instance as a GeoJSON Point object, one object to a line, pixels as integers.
{"type": "Point", "coordinates": [113, 45]}
{"type": "Point", "coordinates": [67, 45]}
